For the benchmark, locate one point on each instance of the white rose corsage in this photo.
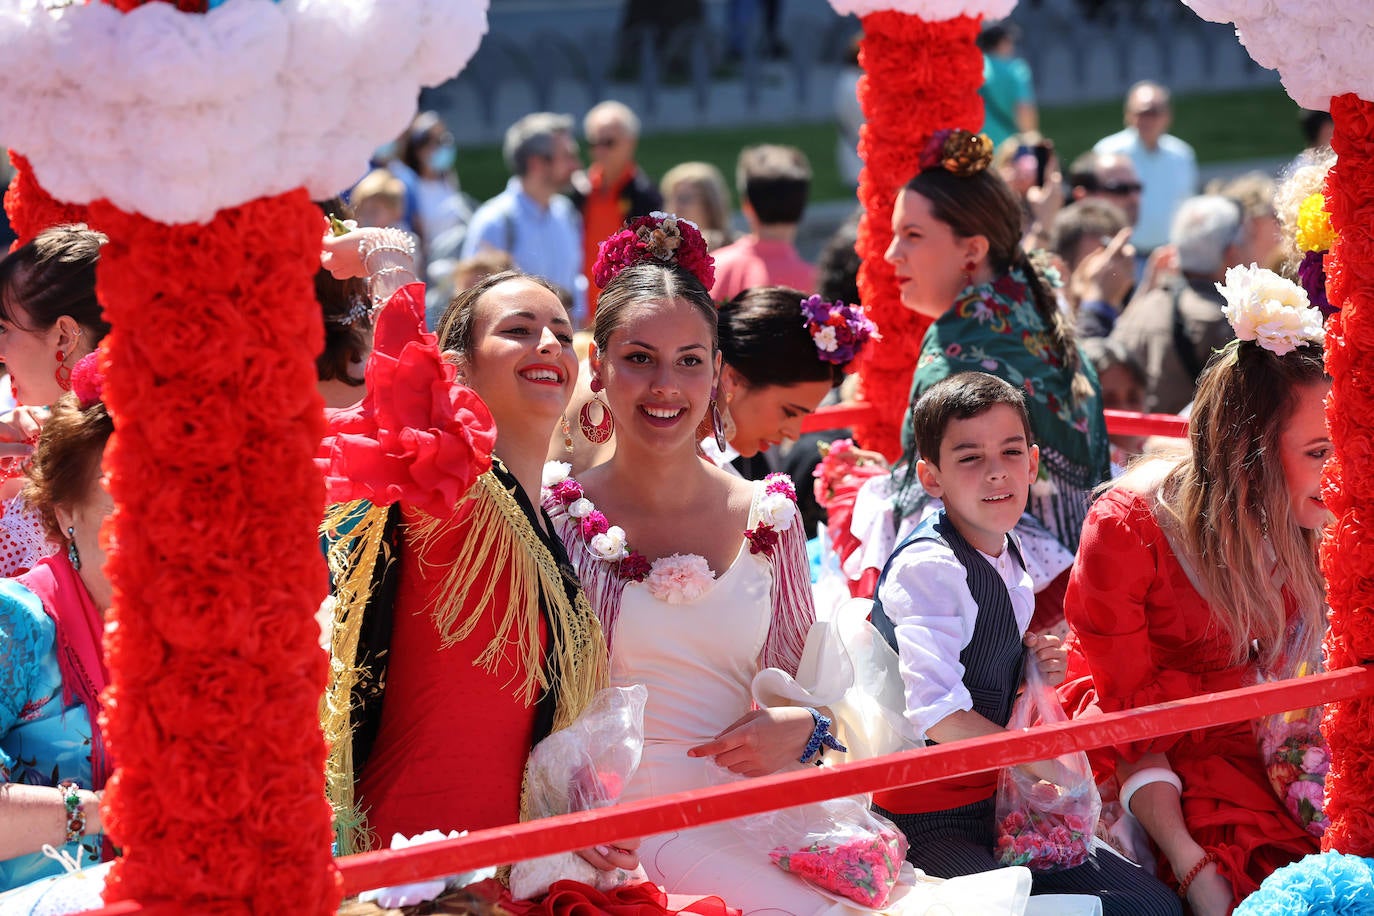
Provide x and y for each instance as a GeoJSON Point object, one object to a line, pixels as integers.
{"type": "Point", "coordinates": [1273, 312]}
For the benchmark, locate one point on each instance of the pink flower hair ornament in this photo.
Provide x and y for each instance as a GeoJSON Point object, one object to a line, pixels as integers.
{"type": "Point", "coordinates": [839, 329]}
{"type": "Point", "coordinates": [88, 381]}
{"type": "Point", "coordinates": [661, 238]}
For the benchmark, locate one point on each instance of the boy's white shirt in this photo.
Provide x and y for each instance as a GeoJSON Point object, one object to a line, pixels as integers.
{"type": "Point", "coordinates": [927, 598]}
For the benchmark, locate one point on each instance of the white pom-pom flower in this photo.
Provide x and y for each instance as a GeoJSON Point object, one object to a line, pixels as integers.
{"type": "Point", "coordinates": [1271, 311]}
{"type": "Point", "coordinates": [581, 508]}
{"type": "Point", "coordinates": [610, 545]}
{"type": "Point", "coordinates": [179, 115]}
{"type": "Point", "coordinates": [929, 10]}
{"type": "Point", "coordinates": [555, 472]}
{"type": "Point", "coordinates": [777, 511]}
{"type": "Point", "coordinates": [1319, 49]}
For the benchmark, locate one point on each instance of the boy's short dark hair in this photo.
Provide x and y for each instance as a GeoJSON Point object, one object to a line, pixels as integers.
{"type": "Point", "coordinates": [775, 180]}
{"type": "Point", "coordinates": [962, 396]}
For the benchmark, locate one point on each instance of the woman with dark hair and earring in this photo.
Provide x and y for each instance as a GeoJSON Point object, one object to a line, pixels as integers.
{"type": "Point", "coordinates": [49, 319]}
{"type": "Point", "coordinates": [781, 353]}
{"type": "Point", "coordinates": [53, 761]}
{"type": "Point", "coordinates": [451, 590]}
{"type": "Point", "coordinates": [956, 248]}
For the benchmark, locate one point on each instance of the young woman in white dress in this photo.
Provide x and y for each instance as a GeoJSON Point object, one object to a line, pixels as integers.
{"type": "Point", "coordinates": [700, 578]}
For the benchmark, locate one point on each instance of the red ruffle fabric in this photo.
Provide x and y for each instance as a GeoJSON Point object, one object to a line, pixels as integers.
{"type": "Point", "coordinates": [418, 436]}
{"type": "Point", "coordinates": [1348, 549]}
{"type": "Point", "coordinates": [569, 898]}
{"type": "Point", "coordinates": [32, 209]}
{"type": "Point", "coordinates": [919, 77]}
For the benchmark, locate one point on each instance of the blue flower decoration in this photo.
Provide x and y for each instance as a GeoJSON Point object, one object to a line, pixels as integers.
{"type": "Point", "coordinates": [1327, 884]}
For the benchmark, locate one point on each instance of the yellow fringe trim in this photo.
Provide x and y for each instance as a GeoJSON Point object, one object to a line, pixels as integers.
{"type": "Point", "coordinates": [494, 537]}
{"type": "Point", "coordinates": [499, 539]}
{"type": "Point", "coordinates": [353, 558]}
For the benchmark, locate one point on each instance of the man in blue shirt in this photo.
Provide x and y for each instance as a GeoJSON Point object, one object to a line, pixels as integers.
{"type": "Point", "coordinates": [530, 220]}
{"type": "Point", "coordinates": [1166, 165]}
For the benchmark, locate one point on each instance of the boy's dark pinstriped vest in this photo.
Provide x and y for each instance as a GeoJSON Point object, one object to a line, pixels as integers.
{"type": "Point", "coordinates": [992, 662]}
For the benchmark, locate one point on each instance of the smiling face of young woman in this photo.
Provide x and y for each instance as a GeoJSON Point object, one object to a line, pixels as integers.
{"type": "Point", "coordinates": [521, 360]}
{"type": "Point", "coordinates": [1304, 448]}
{"type": "Point", "coordinates": [658, 371]}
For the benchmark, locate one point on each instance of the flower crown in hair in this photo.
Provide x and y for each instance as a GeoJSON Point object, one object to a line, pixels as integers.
{"type": "Point", "coordinates": [1314, 238]}
{"type": "Point", "coordinates": [839, 330]}
{"type": "Point", "coordinates": [661, 238]}
{"type": "Point", "coordinates": [959, 151]}
{"type": "Point", "coordinates": [88, 382]}
{"type": "Point", "coordinates": [1271, 311]}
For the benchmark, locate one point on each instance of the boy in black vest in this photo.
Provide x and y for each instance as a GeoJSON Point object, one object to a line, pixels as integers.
{"type": "Point", "coordinates": [955, 601]}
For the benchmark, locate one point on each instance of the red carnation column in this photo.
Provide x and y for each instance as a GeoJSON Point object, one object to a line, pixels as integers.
{"type": "Point", "coordinates": [218, 802]}
{"type": "Point", "coordinates": [919, 77]}
{"type": "Point", "coordinates": [32, 209]}
{"type": "Point", "coordinates": [1348, 551]}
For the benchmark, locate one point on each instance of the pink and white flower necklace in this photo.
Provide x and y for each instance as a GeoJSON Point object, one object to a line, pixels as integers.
{"type": "Point", "coordinates": [677, 578]}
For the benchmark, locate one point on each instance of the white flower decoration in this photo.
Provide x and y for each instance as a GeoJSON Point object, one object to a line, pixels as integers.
{"type": "Point", "coordinates": [141, 107]}
{"type": "Point", "coordinates": [680, 578]}
{"type": "Point", "coordinates": [581, 508]}
{"type": "Point", "coordinates": [1271, 311]}
{"type": "Point", "coordinates": [825, 339]}
{"type": "Point", "coordinates": [1319, 49]}
{"type": "Point", "coordinates": [929, 10]}
{"type": "Point", "coordinates": [411, 894]}
{"type": "Point", "coordinates": [777, 511]}
{"type": "Point", "coordinates": [555, 472]}
{"type": "Point", "coordinates": [611, 544]}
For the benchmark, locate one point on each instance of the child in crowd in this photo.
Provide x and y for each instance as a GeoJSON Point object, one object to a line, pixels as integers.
{"type": "Point", "coordinates": [773, 183]}
{"type": "Point", "coordinates": [955, 601]}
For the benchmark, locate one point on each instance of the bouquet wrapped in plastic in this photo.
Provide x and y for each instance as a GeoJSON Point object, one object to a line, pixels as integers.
{"type": "Point", "coordinates": [1046, 811]}
{"type": "Point", "coordinates": [1294, 755]}
{"type": "Point", "coordinates": [582, 767]}
{"type": "Point", "coordinates": [838, 845]}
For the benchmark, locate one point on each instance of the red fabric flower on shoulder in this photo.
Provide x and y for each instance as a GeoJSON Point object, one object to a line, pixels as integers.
{"type": "Point", "coordinates": [418, 436]}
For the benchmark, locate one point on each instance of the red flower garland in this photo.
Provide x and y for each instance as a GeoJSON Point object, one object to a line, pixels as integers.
{"type": "Point", "coordinates": [918, 77]}
{"type": "Point", "coordinates": [218, 803]}
{"type": "Point", "coordinates": [1349, 487]}
{"type": "Point", "coordinates": [32, 209]}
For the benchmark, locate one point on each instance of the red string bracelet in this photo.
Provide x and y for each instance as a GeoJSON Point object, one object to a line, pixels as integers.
{"type": "Point", "coordinates": [1188, 879]}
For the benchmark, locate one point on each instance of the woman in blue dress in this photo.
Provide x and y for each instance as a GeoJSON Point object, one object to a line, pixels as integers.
{"type": "Point", "coordinates": [52, 757]}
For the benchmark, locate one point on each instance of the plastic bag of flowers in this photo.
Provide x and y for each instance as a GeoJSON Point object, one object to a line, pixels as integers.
{"type": "Point", "coordinates": [1046, 810]}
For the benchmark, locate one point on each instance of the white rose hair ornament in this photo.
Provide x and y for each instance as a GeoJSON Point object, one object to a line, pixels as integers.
{"type": "Point", "coordinates": [1270, 311]}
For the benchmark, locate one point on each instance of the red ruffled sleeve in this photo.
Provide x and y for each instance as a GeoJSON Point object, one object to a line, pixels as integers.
{"type": "Point", "coordinates": [1141, 632]}
{"type": "Point", "coordinates": [418, 436]}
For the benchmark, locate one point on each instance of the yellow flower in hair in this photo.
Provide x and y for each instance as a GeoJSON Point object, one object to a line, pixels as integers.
{"type": "Point", "coordinates": [1314, 225]}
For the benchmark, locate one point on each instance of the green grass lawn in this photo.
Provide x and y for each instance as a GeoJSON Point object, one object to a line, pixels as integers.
{"type": "Point", "coordinates": [1222, 127]}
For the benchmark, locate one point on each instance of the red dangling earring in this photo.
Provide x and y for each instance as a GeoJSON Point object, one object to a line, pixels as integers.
{"type": "Point", "coordinates": [63, 373]}
{"type": "Point", "coordinates": [968, 273]}
{"type": "Point", "coordinates": [599, 431]}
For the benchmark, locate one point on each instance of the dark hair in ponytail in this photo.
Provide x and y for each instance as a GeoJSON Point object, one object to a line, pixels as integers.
{"type": "Point", "coordinates": [983, 204]}
{"type": "Point", "coordinates": [1063, 336]}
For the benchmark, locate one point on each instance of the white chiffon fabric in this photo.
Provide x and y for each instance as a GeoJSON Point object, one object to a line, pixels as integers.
{"type": "Point", "coordinates": [699, 661]}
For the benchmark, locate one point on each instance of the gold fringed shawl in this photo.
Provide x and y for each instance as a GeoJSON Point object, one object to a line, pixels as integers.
{"type": "Point", "coordinates": [353, 560]}
{"type": "Point", "coordinates": [497, 541]}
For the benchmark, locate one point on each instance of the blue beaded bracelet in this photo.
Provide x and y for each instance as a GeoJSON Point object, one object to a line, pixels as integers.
{"type": "Point", "coordinates": [820, 735]}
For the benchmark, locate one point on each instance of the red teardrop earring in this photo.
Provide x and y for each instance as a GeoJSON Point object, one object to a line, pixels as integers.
{"type": "Point", "coordinates": [63, 373]}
